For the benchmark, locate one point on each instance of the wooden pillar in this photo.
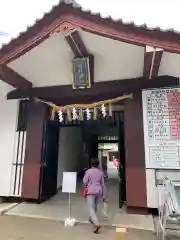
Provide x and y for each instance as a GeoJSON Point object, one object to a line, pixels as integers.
{"type": "Point", "coordinates": [136, 192]}
{"type": "Point", "coordinates": [136, 196]}
{"type": "Point", "coordinates": [37, 114]}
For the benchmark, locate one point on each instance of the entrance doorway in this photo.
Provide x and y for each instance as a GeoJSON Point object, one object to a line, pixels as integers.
{"type": "Point", "coordinates": [70, 147]}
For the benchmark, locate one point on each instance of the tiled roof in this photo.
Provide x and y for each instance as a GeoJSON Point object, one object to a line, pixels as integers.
{"type": "Point", "coordinates": [168, 39]}
{"type": "Point", "coordinates": [75, 5]}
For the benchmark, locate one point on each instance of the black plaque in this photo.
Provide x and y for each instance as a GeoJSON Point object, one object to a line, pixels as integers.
{"type": "Point", "coordinates": [81, 73]}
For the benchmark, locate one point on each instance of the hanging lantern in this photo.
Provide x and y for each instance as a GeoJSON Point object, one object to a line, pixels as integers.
{"type": "Point", "coordinates": [88, 114]}
{"type": "Point", "coordinates": [103, 110]}
{"type": "Point", "coordinates": [60, 115]}
{"type": "Point", "coordinates": [110, 109]}
{"type": "Point", "coordinates": [74, 114]}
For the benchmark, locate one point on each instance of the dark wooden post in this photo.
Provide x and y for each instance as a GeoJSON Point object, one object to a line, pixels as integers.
{"type": "Point", "coordinates": [37, 114]}
{"type": "Point", "coordinates": [136, 196]}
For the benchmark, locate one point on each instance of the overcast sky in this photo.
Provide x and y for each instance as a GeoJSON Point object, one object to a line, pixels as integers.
{"type": "Point", "coordinates": [16, 15]}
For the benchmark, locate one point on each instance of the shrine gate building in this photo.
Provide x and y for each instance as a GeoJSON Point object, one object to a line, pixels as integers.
{"type": "Point", "coordinates": [124, 59]}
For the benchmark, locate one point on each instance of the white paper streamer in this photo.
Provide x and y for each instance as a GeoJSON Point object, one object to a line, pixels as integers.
{"type": "Point", "coordinates": [60, 115]}
{"type": "Point", "coordinates": [88, 114]}
{"type": "Point", "coordinates": [103, 110]}
{"type": "Point", "coordinates": [74, 114]}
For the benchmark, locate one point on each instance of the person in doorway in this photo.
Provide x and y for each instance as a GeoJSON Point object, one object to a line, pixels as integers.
{"type": "Point", "coordinates": [96, 190]}
{"type": "Point", "coordinates": [116, 162]}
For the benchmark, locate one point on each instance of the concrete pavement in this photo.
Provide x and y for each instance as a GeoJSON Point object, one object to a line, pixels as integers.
{"type": "Point", "coordinates": [56, 208]}
{"type": "Point", "coordinates": [20, 228]}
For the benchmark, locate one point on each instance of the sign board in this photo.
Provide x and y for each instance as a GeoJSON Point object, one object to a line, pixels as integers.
{"type": "Point", "coordinates": [161, 118]}
{"type": "Point", "coordinates": [81, 73]}
{"type": "Point", "coordinates": [69, 182]}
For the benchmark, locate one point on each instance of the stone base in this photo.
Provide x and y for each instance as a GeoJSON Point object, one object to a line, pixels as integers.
{"type": "Point", "coordinates": [137, 210]}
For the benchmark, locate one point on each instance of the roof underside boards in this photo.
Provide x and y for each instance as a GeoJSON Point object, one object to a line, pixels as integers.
{"type": "Point", "coordinates": [50, 62]}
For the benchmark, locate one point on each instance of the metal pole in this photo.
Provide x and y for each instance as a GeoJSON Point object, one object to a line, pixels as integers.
{"type": "Point", "coordinates": [69, 205]}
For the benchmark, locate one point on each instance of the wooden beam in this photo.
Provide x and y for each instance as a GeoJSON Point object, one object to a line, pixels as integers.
{"type": "Point", "coordinates": [76, 44]}
{"type": "Point", "coordinates": [152, 60]}
{"type": "Point", "coordinates": [101, 89]}
{"type": "Point", "coordinates": [14, 79]}
{"type": "Point", "coordinates": [73, 38]}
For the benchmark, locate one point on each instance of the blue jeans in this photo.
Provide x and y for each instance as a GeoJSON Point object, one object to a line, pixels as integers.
{"type": "Point", "coordinates": [92, 203]}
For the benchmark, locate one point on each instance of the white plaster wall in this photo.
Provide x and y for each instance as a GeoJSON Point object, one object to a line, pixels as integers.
{"type": "Point", "coordinates": [152, 194]}
{"type": "Point", "coordinates": [70, 151]}
{"type": "Point", "coordinates": [114, 60]}
{"type": "Point", "coordinates": [8, 121]}
{"type": "Point", "coordinates": [174, 175]}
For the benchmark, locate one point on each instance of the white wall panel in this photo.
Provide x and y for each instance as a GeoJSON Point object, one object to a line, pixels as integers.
{"type": "Point", "coordinates": [152, 194]}
{"type": "Point", "coordinates": [8, 121]}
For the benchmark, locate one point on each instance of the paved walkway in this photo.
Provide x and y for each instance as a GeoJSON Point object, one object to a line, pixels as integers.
{"type": "Point", "coordinates": [19, 228]}
{"type": "Point", "coordinates": [56, 208]}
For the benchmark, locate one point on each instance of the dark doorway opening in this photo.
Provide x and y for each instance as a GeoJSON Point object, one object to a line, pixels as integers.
{"type": "Point", "coordinates": [49, 164]}
{"type": "Point", "coordinates": [90, 134]}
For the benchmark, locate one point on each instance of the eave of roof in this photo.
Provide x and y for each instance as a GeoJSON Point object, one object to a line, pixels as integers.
{"type": "Point", "coordinates": [71, 7]}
